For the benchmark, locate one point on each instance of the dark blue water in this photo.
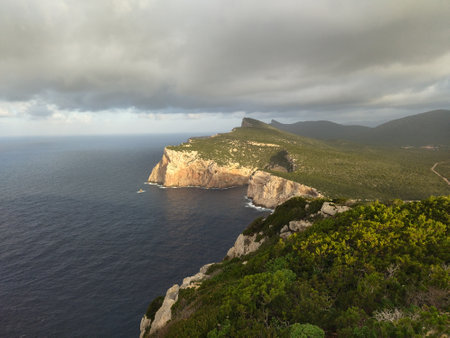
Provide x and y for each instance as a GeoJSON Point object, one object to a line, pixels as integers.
{"type": "Point", "coordinates": [81, 253]}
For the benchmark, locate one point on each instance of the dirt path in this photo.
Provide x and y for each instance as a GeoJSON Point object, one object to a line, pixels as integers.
{"type": "Point", "coordinates": [433, 170]}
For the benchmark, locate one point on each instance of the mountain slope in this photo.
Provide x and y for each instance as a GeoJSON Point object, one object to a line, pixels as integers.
{"type": "Point", "coordinates": [430, 128]}
{"type": "Point", "coordinates": [323, 130]}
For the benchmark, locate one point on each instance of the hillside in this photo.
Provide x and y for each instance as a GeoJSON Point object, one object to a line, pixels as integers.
{"type": "Point", "coordinates": [430, 128]}
{"type": "Point", "coordinates": [336, 169]}
{"type": "Point", "coordinates": [324, 130]}
{"type": "Point", "coordinates": [376, 270]}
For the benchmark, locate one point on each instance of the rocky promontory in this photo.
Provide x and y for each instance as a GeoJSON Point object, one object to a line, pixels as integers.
{"type": "Point", "coordinates": [187, 168]}
{"type": "Point", "coordinates": [269, 191]}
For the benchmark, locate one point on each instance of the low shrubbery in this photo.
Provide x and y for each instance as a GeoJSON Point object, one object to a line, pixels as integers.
{"type": "Point", "coordinates": [375, 271]}
{"type": "Point", "coordinates": [154, 307]}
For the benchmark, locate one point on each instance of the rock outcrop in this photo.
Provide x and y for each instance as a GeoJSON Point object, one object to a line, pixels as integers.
{"type": "Point", "coordinates": [195, 280]}
{"type": "Point", "coordinates": [186, 168]}
{"type": "Point", "coordinates": [331, 209]}
{"type": "Point", "coordinates": [244, 245]}
{"type": "Point", "coordinates": [269, 191]}
{"type": "Point", "coordinates": [164, 313]}
{"type": "Point", "coordinates": [145, 325]}
{"type": "Point", "coordinates": [294, 226]}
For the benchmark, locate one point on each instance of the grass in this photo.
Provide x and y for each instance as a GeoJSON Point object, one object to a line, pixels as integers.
{"type": "Point", "coordinates": [339, 169]}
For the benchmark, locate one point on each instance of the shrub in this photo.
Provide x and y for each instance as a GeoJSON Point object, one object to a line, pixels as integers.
{"type": "Point", "coordinates": [154, 307]}
{"type": "Point", "coordinates": [305, 331]}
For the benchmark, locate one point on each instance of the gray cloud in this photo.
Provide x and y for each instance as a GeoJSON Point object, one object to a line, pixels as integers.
{"type": "Point", "coordinates": [258, 56]}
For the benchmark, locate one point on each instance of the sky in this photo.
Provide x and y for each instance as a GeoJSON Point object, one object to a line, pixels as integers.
{"type": "Point", "coordinates": [159, 66]}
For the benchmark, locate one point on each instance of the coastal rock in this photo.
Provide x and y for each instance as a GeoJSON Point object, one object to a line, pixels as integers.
{"type": "Point", "coordinates": [194, 281]}
{"type": "Point", "coordinates": [145, 325]}
{"type": "Point", "coordinates": [244, 245]}
{"type": "Point", "coordinates": [186, 168]}
{"type": "Point", "coordinates": [331, 209]}
{"type": "Point", "coordinates": [164, 314]}
{"type": "Point", "coordinates": [269, 191]}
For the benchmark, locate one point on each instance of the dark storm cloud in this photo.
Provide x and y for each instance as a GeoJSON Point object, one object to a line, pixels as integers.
{"type": "Point", "coordinates": [257, 56]}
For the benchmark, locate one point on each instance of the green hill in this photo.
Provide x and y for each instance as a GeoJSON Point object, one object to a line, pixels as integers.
{"type": "Point", "coordinates": [430, 128]}
{"type": "Point", "coordinates": [338, 169]}
{"type": "Point", "coordinates": [374, 271]}
{"type": "Point", "coordinates": [324, 130]}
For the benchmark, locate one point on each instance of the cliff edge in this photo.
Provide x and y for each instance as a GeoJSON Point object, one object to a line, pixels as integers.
{"type": "Point", "coordinates": [269, 191]}
{"type": "Point", "coordinates": [186, 168]}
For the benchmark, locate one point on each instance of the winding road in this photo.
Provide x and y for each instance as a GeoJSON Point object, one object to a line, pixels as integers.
{"type": "Point", "coordinates": [433, 170]}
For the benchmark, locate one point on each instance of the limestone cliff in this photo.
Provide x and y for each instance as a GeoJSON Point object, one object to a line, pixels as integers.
{"type": "Point", "coordinates": [164, 313]}
{"type": "Point", "coordinates": [244, 245]}
{"type": "Point", "coordinates": [186, 168]}
{"type": "Point", "coordinates": [269, 191]}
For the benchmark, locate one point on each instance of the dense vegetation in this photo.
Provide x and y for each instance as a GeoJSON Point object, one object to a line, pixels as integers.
{"type": "Point", "coordinates": [337, 169]}
{"type": "Point", "coordinates": [375, 271]}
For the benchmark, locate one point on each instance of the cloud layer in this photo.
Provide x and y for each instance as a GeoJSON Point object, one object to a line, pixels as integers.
{"type": "Point", "coordinates": [280, 57]}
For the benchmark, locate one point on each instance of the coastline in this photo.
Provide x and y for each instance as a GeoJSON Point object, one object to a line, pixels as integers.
{"type": "Point", "coordinates": [264, 192]}
{"type": "Point", "coordinates": [243, 245]}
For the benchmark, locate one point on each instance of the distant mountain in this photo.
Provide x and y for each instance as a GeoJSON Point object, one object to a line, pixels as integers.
{"type": "Point", "coordinates": [430, 128]}
{"type": "Point", "coordinates": [248, 122]}
{"type": "Point", "coordinates": [323, 130]}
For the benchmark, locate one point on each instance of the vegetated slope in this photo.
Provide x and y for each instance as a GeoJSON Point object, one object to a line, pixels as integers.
{"type": "Point", "coordinates": [336, 169]}
{"type": "Point", "coordinates": [374, 271]}
{"type": "Point", "coordinates": [324, 130]}
{"type": "Point", "coordinates": [430, 128]}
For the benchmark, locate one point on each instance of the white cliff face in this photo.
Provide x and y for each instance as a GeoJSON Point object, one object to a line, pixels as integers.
{"type": "Point", "coordinates": [164, 314]}
{"type": "Point", "coordinates": [244, 245]}
{"type": "Point", "coordinates": [186, 168]}
{"type": "Point", "coordinates": [145, 325]}
{"type": "Point", "coordinates": [269, 191]}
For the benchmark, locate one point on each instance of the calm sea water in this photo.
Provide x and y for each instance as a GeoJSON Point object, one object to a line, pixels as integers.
{"type": "Point", "coordinates": [81, 253]}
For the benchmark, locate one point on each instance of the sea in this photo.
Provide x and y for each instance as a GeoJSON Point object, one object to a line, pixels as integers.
{"type": "Point", "coordinates": [82, 253]}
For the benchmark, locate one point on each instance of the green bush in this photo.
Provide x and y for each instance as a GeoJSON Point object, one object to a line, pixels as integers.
{"type": "Point", "coordinates": [154, 307]}
{"type": "Point", "coordinates": [305, 331]}
{"type": "Point", "coordinates": [338, 275]}
{"type": "Point", "coordinates": [254, 227]}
